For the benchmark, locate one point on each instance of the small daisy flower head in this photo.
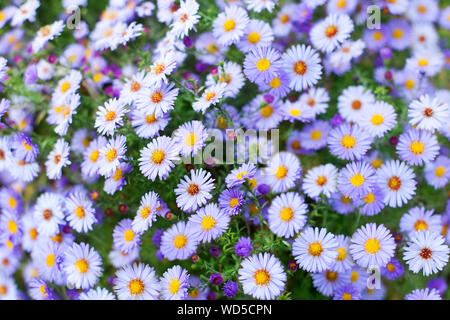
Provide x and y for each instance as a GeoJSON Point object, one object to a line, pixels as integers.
{"type": "Point", "coordinates": [194, 191]}
{"type": "Point", "coordinates": [347, 292]}
{"type": "Point", "coordinates": [342, 203]}
{"type": "Point", "coordinates": [428, 114]}
{"type": "Point", "coordinates": [260, 5]}
{"type": "Point", "coordinates": [110, 117]}
{"type": "Point", "coordinates": [125, 239]}
{"type": "Point", "coordinates": [375, 39]}
{"type": "Point", "coordinates": [423, 10]}
{"type": "Point", "coordinates": [354, 102]}
{"type": "Point", "coordinates": [146, 213]}
{"type": "Point", "coordinates": [357, 179]}
{"type": "Point", "coordinates": [320, 180]}
{"type": "Point", "coordinates": [295, 111]}
{"type": "Point", "coordinates": [378, 119]}
{"type": "Point", "coordinates": [178, 242]}
{"type": "Point", "coordinates": [314, 136]}
{"type": "Point", "coordinates": [45, 34]}
{"type": "Point", "coordinates": [231, 201]}
{"type": "Point", "coordinates": [191, 137]}
{"type": "Point", "coordinates": [262, 276]}
{"type": "Point", "coordinates": [162, 67]}
{"type": "Point", "coordinates": [48, 257]}
{"type": "Point", "coordinates": [156, 99]}
{"type": "Point", "coordinates": [283, 171]}
{"type": "Point", "coordinates": [97, 294]}
{"type": "Point", "coordinates": [91, 157]}
{"type": "Point", "coordinates": [393, 269]}
{"type": "Point", "coordinates": [48, 214]}
{"type": "Point", "coordinates": [263, 115]}
{"type": "Point", "coordinates": [257, 34]}
{"type": "Point", "coordinates": [396, 179]}
{"type": "Point", "coordinates": [349, 142]}
{"type": "Point", "coordinates": [287, 214]}
{"type": "Point", "coordinates": [157, 158]}
{"type": "Point", "coordinates": [24, 148]}
{"type": "Point", "coordinates": [209, 97]}
{"type": "Point", "coordinates": [57, 159]}
{"type": "Point", "coordinates": [111, 155]}
{"type": "Point", "coordinates": [317, 99]}
{"type": "Point", "coordinates": [315, 249]}
{"type": "Point", "coordinates": [437, 173]}
{"type": "Point", "coordinates": [423, 294]}
{"type": "Point", "coordinates": [230, 25]}
{"type": "Point", "coordinates": [372, 202]}
{"type": "Point", "coordinates": [185, 18]}
{"type": "Point", "coordinates": [262, 64]}
{"type": "Point", "coordinates": [148, 125]}
{"type": "Point", "coordinates": [80, 212]}
{"type": "Point", "coordinates": [137, 282]}
{"type": "Point", "coordinates": [426, 251]}
{"type": "Point", "coordinates": [329, 281]}
{"type": "Point", "coordinates": [400, 34]}
{"type": "Point", "coordinates": [238, 176]}
{"type": "Point", "coordinates": [427, 61]}
{"type": "Point", "coordinates": [67, 86]}
{"type": "Point", "coordinates": [344, 261]}
{"type": "Point", "coordinates": [372, 245]}
{"type": "Point", "coordinates": [419, 219]}
{"type": "Point", "coordinates": [82, 264]}
{"type": "Point", "coordinates": [39, 290]}
{"type": "Point", "coordinates": [209, 223]}
{"type": "Point", "coordinates": [328, 34]}
{"type": "Point", "coordinates": [175, 284]}
{"type": "Point", "coordinates": [302, 65]}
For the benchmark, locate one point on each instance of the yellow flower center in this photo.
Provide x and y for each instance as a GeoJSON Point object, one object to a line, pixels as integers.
{"type": "Point", "coordinates": [422, 62]}
{"type": "Point", "coordinates": [281, 172]}
{"type": "Point", "coordinates": [286, 214]}
{"type": "Point", "coordinates": [348, 142]}
{"type": "Point", "coordinates": [357, 180]}
{"type": "Point", "coordinates": [342, 254]}
{"type": "Point", "coordinates": [65, 86]}
{"type": "Point", "coordinates": [82, 266]}
{"type": "Point", "coordinates": [158, 156]}
{"type": "Point", "coordinates": [377, 35]}
{"type": "Point", "coordinates": [397, 33]}
{"type": "Point", "coordinates": [50, 260]}
{"type": "Point", "coordinates": [136, 287]}
{"type": "Point", "coordinates": [331, 276]}
{"type": "Point", "coordinates": [316, 134]}
{"type": "Point", "coordinates": [417, 147]}
{"type": "Point", "coordinates": [420, 225]}
{"type": "Point", "coordinates": [94, 155]}
{"type": "Point", "coordinates": [341, 4]}
{"type": "Point", "coordinates": [300, 68]}
{"type": "Point", "coordinates": [253, 37]}
{"type": "Point", "coordinates": [191, 139]}
{"type": "Point", "coordinates": [439, 172]}
{"type": "Point", "coordinates": [208, 223]}
{"type": "Point", "coordinates": [377, 119]}
{"type": "Point", "coordinates": [346, 296]}
{"type": "Point", "coordinates": [111, 155]}
{"type": "Point", "coordinates": [110, 116]}
{"type": "Point", "coordinates": [174, 286]}
{"type": "Point", "coordinates": [12, 226]}
{"type": "Point", "coordinates": [229, 25]}
{"type": "Point", "coordinates": [128, 235]}
{"type": "Point", "coordinates": [369, 198]}
{"type": "Point", "coordinates": [266, 111]}
{"type": "Point", "coordinates": [180, 241]}
{"type": "Point", "coordinates": [409, 84]}
{"type": "Point", "coordinates": [372, 245]}
{"type": "Point", "coordinates": [262, 277]}
{"type": "Point", "coordinates": [331, 31]}
{"type": "Point", "coordinates": [263, 64]}
{"type": "Point", "coordinates": [315, 249]}
{"type": "Point", "coordinates": [234, 202]}
{"type": "Point", "coordinates": [145, 212]}
{"type": "Point", "coordinates": [295, 112]}
{"type": "Point", "coordinates": [79, 212]}
{"type": "Point", "coordinates": [275, 82]}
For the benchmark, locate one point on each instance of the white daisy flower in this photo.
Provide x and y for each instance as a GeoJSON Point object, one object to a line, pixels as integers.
{"type": "Point", "coordinates": [57, 159]}
{"type": "Point", "coordinates": [157, 99]}
{"type": "Point", "coordinates": [111, 155]}
{"type": "Point", "coordinates": [174, 284]}
{"type": "Point", "coordinates": [110, 116]}
{"type": "Point", "coordinates": [320, 180]}
{"type": "Point", "coordinates": [80, 212]}
{"type": "Point", "coordinates": [354, 102]}
{"type": "Point", "coordinates": [329, 33]}
{"type": "Point", "coordinates": [209, 97]}
{"type": "Point", "coordinates": [230, 25]}
{"type": "Point", "coordinates": [45, 34]}
{"type": "Point", "coordinates": [287, 214]}
{"type": "Point", "coordinates": [426, 251]}
{"type": "Point", "coordinates": [137, 282]}
{"type": "Point", "coordinates": [146, 213]}
{"type": "Point", "coordinates": [194, 191]}
{"type": "Point", "coordinates": [283, 171]}
{"type": "Point", "coordinates": [190, 137]}
{"type": "Point", "coordinates": [428, 114]}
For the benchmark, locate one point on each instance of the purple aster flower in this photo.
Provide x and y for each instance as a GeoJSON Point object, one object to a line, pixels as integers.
{"type": "Point", "coordinates": [211, 296]}
{"type": "Point", "coordinates": [263, 189]}
{"type": "Point", "coordinates": [160, 255]}
{"type": "Point", "coordinates": [347, 292]}
{"type": "Point", "coordinates": [373, 202]}
{"type": "Point", "coordinates": [216, 279]}
{"type": "Point", "coordinates": [4, 106]}
{"type": "Point", "coordinates": [231, 201]}
{"type": "Point", "coordinates": [24, 148]}
{"type": "Point", "coordinates": [30, 76]}
{"type": "Point", "coordinates": [356, 179]}
{"type": "Point", "coordinates": [439, 284]}
{"type": "Point", "coordinates": [262, 64]}
{"type": "Point", "coordinates": [385, 53]}
{"type": "Point", "coordinates": [336, 120]}
{"type": "Point", "coordinates": [243, 247]}
{"type": "Point", "coordinates": [349, 142]}
{"type": "Point", "coordinates": [214, 251]}
{"type": "Point", "coordinates": [393, 269]}
{"type": "Point", "coordinates": [230, 289]}
{"type": "Point", "coordinates": [400, 34]}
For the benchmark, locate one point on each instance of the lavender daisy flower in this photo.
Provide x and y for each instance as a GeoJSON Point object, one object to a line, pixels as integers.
{"type": "Point", "coordinates": [357, 179]}
{"type": "Point", "coordinates": [243, 247]}
{"type": "Point", "coordinates": [208, 223]}
{"type": "Point", "coordinates": [230, 288]}
{"type": "Point", "coordinates": [231, 201]}
{"type": "Point", "coordinates": [347, 292]}
{"type": "Point", "coordinates": [178, 242]}
{"type": "Point", "coordinates": [238, 176]}
{"type": "Point", "coordinates": [262, 64]}
{"type": "Point", "coordinates": [39, 290]}
{"type": "Point", "coordinates": [349, 142]}
{"type": "Point", "coordinates": [416, 147]}
{"type": "Point", "coordinates": [393, 269]}
{"type": "Point", "coordinates": [124, 238]}
{"type": "Point", "coordinates": [342, 203]}
{"type": "Point", "coordinates": [216, 279]}
{"type": "Point", "coordinates": [438, 284]}
{"type": "Point", "coordinates": [328, 281]}
{"type": "Point", "coordinates": [423, 294]}
{"type": "Point", "coordinates": [372, 202]}
{"type": "Point", "coordinates": [24, 149]}
{"type": "Point", "coordinates": [400, 34]}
